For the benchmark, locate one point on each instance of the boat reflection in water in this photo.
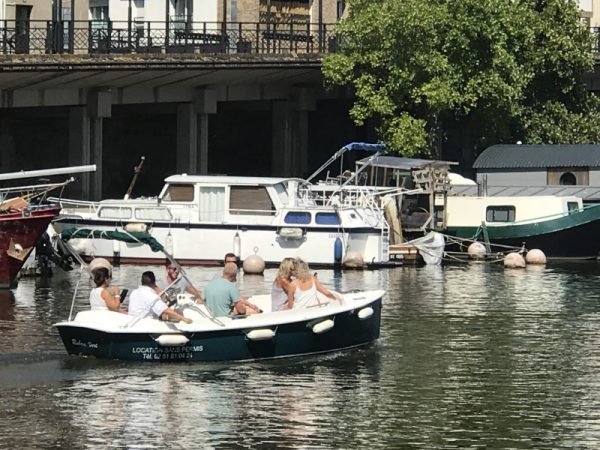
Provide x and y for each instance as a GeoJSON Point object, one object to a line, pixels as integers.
{"type": "Point", "coordinates": [7, 306]}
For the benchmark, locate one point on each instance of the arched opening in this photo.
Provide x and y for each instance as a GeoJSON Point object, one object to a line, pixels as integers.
{"type": "Point", "coordinates": [568, 179]}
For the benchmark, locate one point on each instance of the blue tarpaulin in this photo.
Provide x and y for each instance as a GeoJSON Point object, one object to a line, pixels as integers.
{"type": "Point", "coordinates": [365, 146]}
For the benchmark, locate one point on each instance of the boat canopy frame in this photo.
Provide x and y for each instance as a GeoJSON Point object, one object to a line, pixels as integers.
{"type": "Point", "coordinates": [123, 236]}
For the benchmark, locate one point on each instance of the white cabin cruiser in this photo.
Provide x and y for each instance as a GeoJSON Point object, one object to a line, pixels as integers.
{"type": "Point", "coordinates": [200, 218]}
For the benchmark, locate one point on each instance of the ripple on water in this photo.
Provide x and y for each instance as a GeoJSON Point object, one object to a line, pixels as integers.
{"type": "Point", "coordinates": [470, 356]}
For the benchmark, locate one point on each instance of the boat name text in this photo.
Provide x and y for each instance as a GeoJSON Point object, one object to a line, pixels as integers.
{"type": "Point", "coordinates": [84, 344]}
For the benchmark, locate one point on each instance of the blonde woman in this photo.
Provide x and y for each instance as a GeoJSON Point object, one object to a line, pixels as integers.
{"type": "Point", "coordinates": [303, 290]}
{"type": "Point", "coordinates": [281, 284]}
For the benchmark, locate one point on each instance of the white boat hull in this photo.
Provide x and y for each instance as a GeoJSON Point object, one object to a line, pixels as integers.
{"type": "Point", "coordinates": [206, 244]}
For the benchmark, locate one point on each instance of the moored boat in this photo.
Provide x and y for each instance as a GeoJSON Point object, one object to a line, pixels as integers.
{"type": "Point", "coordinates": [24, 217]}
{"type": "Point", "coordinates": [559, 226]}
{"type": "Point", "coordinates": [19, 233]}
{"type": "Point", "coordinates": [200, 218]}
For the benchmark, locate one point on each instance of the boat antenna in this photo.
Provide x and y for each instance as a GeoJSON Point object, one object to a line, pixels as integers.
{"type": "Point", "coordinates": [136, 173]}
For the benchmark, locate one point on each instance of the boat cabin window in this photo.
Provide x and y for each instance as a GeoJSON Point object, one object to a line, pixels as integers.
{"type": "Point", "coordinates": [572, 207]}
{"type": "Point", "coordinates": [297, 217]}
{"type": "Point", "coordinates": [114, 212]}
{"type": "Point", "coordinates": [255, 199]}
{"type": "Point", "coordinates": [179, 193]}
{"type": "Point", "coordinates": [152, 214]}
{"type": "Point", "coordinates": [327, 219]}
{"type": "Point", "coordinates": [500, 214]}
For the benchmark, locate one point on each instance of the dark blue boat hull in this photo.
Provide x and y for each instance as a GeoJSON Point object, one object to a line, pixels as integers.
{"type": "Point", "coordinates": [289, 340]}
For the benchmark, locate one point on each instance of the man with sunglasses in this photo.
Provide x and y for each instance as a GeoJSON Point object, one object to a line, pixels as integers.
{"type": "Point", "coordinates": [176, 284]}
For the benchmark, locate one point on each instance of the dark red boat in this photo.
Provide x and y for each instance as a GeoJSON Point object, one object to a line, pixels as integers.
{"type": "Point", "coordinates": [19, 233]}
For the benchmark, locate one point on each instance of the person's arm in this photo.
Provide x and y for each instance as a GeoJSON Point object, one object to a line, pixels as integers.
{"type": "Point", "coordinates": [112, 298]}
{"type": "Point", "coordinates": [196, 293]}
{"type": "Point", "coordinates": [290, 293]}
{"type": "Point", "coordinates": [323, 290]}
{"type": "Point", "coordinates": [172, 314]}
{"type": "Point", "coordinates": [250, 305]}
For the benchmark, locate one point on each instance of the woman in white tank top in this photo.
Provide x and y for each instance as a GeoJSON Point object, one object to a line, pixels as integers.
{"type": "Point", "coordinates": [304, 289]}
{"type": "Point", "coordinates": [103, 297]}
{"type": "Point", "coordinates": [281, 285]}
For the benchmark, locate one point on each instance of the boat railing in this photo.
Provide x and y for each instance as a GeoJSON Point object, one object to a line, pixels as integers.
{"type": "Point", "coordinates": [79, 205]}
{"type": "Point", "coordinates": [31, 192]}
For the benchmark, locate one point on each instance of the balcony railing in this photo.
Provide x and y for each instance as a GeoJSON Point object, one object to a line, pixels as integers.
{"type": "Point", "coordinates": [109, 37]}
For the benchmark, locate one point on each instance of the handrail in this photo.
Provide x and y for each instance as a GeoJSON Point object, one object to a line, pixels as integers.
{"type": "Point", "coordinates": [135, 37]}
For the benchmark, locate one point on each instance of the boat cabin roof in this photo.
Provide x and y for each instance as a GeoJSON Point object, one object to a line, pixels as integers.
{"type": "Point", "coordinates": [401, 163]}
{"type": "Point", "coordinates": [225, 179]}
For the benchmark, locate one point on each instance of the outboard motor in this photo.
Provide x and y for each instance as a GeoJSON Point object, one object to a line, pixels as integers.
{"type": "Point", "coordinates": [47, 254]}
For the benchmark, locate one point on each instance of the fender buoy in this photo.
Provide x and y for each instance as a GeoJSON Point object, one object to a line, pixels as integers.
{"type": "Point", "coordinates": [171, 340]}
{"type": "Point", "coordinates": [338, 250]}
{"type": "Point", "coordinates": [260, 334]}
{"type": "Point", "coordinates": [237, 245]}
{"type": "Point", "coordinates": [365, 313]}
{"type": "Point", "coordinates": [323, 326]}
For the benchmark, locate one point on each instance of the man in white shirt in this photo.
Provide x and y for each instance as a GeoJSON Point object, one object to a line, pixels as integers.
{"type": "Point", "coordinates": [145, 300]}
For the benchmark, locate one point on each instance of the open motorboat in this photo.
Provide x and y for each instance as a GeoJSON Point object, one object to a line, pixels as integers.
{"type": "Point", "coordinates": [200, 218]}
{"type": "Point", "coordinates": [331, 326]}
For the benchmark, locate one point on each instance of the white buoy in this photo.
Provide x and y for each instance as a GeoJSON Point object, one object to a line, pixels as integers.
{"type": "Point", "coordinates": [171, 340]}
{"type": "Point", "coordinates": [254, 264]}
{"type": "Point", "coordinates": [136, 227]}
{"type": "Point", "coordinates": [260, 334]}
{"type": "Point", "coordinates": [323, 326]}
{"type": "Point", "coordinates": [353, 260]}
{"type": "Point", "coordinates": [476, 250]}
{"type": "Point", "coordinates": [96, 263]}
{"type": "Point", "coordinates": [237, 245]}
{"type": "Point", "coordinates": [535, 256]}
{"type": "Point", "coordinates": [365, 313]}
{"type": "Point", "coordinates": [514, 261]}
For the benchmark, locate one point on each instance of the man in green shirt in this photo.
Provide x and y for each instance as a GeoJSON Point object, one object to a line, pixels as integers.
{"type": "Point", "coordinates": [222, 296]}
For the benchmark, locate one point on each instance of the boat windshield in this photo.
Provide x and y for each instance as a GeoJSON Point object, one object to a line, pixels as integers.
{"type": "Point", "coordinates": [282, 193]}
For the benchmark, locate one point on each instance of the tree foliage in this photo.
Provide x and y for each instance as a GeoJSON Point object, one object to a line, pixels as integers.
{"type": "Point", "coordinates": [467, 73]}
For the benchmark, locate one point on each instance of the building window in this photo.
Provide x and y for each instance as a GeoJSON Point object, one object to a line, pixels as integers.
{"type": "Point", "coordinates": [99, 10]}
{"type": "Point", "coordinates": [568, 179]}
{"type": "Point", "coordinates": [340, 9]}
{"type": "Point", "coordinates": [500, 214]}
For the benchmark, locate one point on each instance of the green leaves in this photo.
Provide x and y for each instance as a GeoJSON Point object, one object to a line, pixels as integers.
{"type": "Point", "coordinates": [493, 69]}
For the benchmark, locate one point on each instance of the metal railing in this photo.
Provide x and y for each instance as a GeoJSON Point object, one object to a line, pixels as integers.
{"type": "Point", "coordinates": [137, 37]}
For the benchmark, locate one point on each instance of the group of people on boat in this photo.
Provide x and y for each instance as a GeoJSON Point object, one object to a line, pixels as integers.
{"type": "Point", "coordinates": [294, 287]}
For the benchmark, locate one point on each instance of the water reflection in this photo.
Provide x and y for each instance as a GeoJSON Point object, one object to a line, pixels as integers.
{"type": "Point", "coordinates": [470, 356]}
{"type": "Point", "coordinates": [7, 306]}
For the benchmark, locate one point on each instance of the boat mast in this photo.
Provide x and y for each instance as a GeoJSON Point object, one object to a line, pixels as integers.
{"type": "Point", "coordinates": [46, 172]}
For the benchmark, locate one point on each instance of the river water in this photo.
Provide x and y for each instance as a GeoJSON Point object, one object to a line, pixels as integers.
{"type": "Point", "coordinates": [470, 356]}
